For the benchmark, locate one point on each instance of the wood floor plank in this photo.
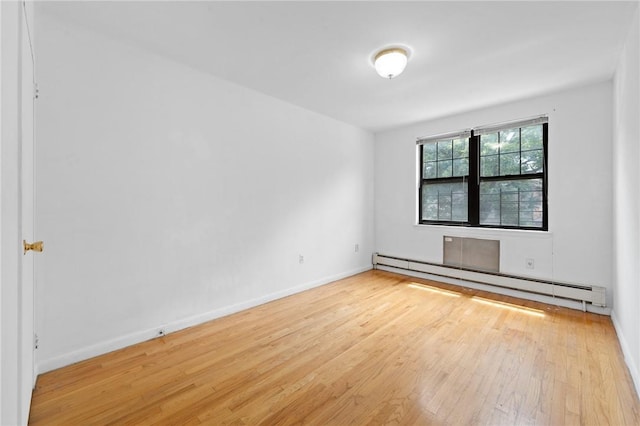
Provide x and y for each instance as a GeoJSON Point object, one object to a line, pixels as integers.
{"type": "Point", "coordinates": [376, 348]}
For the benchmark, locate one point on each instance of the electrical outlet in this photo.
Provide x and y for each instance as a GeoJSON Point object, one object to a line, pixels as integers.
{"type": "Point", "coordinates": [301, 259]}
{"type": "Point", "coordinates": [357, 248]}
{"type": "Point", "coordinates": [529, 263]}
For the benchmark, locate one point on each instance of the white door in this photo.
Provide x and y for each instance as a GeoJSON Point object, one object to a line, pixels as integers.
{"type": "Point", "coordinates": [27, 98]}
{"type": "Point", "coordinates": [16, 213]}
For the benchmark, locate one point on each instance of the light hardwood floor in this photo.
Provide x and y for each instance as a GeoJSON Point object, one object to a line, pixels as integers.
{"type": "Point", "coordinates": [375, 348]}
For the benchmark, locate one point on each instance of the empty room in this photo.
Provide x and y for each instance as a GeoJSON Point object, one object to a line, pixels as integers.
{"type": "Point", "coordinates": [320, 212]}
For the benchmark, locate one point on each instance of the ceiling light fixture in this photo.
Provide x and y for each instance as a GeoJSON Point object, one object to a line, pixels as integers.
{"type": "Point", "coordinates": [391, 62]}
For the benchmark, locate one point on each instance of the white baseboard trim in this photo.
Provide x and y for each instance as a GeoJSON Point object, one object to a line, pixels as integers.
{"type": "Point", "coordinates": [499, 290]}
{"type": "Point", "coordinates": [143, 335]}
{"type": "Point", "coordinates": [628, 356]}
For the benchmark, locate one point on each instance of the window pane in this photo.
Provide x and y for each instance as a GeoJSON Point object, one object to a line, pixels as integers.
{"type": "Point", "coordinates": [429, 171]}
{"type": "Point", "coordinates": [510, 164]}
{"type": "Point", "coordinates": [531, 207]}
{"type": "Point", "coordinates": [429, 152]}
{"type": "Point", "coordinates": [444, 206]}
{"type": "Point", "coordinates": [489, 144]}
{"type": "Point", "coordinates": [444, 169]}
{"type": "Point", "coordinates": [489, 165]}
{"type": "Point", "coordinates": [429, 205]}
{"type": "Point", "coordinates": [461, 167]}
{"type": "Point", "coordinates": [509, 208]}
{"type": "Point", "coordinates": [489, 208]}
{"type": "Point", "coordinates": [532, 137]}
{"type": "Point", "coordinates": [461, 148]}
{"type": "Point", "coordinates": [510, 140]}
{"type": "Point", "coordinates": [444, 150]}
{"type": "Point", "coordinates": [531, 162]}
{"type": "Point", "coordinates": [512, 203]}
{"type": "Point", "coordinates": [459, 204]}
{"type": "Point", "coordinates": [445, 202]}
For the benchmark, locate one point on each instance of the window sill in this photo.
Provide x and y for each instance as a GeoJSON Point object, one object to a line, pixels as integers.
{"type": "Point", "coordinates": [469, 231]}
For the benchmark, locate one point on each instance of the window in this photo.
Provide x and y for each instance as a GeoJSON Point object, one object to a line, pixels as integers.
{"type": "Point", "coordinates": [493, 176]}
{"type": "Point", "coordinates": [445, 170]}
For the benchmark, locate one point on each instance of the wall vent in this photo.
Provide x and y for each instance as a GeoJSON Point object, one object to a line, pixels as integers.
{"type": "Point", "coordinates": [472, 253]}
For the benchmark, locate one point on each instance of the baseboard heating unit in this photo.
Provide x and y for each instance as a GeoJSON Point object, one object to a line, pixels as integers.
{"type": "Point", "coordinates": [581, 293]}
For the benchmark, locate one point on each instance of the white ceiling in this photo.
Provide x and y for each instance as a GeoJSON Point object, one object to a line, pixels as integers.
{"type": "Point", "coordinates": [465, 55]}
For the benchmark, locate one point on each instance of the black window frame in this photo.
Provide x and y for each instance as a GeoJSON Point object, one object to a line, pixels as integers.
{"type": "Point", "coordinates": [474, 180]}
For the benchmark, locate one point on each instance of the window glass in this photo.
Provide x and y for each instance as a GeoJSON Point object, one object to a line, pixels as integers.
{"type": "Point", "coordinates": [512, 203]}
{"type": "Point", "coordinates": [445, 201]}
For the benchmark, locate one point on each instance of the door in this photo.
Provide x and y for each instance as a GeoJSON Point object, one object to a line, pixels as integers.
{"type": "Point", "coordinates": [16, 212]}
{"type": "Point", "coordinates": [27, 123]}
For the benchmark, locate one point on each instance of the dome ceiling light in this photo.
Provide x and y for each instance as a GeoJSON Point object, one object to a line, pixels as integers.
{"type": "Point", "coordinates": [391, 62]}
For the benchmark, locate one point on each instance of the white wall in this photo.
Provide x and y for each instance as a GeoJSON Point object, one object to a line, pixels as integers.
{"type": "Point", "coordinates": [626, 199]}
{"type": "Point", "coordinates": [167, 197]}
{"type": "Point", "coordinates": [577, 247]}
